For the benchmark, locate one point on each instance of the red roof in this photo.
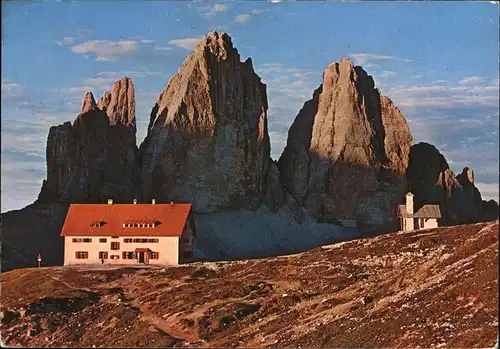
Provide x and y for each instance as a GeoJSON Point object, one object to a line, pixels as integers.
{"type": "Point", "coordinates": [171, 217]}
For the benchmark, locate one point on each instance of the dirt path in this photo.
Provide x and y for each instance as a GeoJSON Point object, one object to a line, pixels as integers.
{"type": "Point", "coordinates": [166, 326]}
{"type": "Point", "coordinates": [86, 290]}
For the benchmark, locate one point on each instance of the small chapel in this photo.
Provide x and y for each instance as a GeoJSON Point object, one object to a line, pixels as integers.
{"type": "Point", "coordinates": [426, 217]}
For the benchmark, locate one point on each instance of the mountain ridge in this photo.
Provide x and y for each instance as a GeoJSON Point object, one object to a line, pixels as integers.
{"type": "Point", "coordinates": [208, 143]}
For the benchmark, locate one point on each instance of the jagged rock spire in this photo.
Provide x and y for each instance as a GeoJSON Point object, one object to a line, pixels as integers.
{"type": "Point", "coordinates": [88, 103]}
{"type": "Point", "coordinates": [119, 104]}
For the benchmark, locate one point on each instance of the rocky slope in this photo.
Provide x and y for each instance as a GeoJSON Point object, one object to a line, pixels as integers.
{"type": "Point", "coordinates": [434, 288]}
{"type": "Point", "coordinates": [347, 151]}
{"type": "Point", "coordinates": [432, 181]}
{"type": "Point", "coordinates": [207, 139]}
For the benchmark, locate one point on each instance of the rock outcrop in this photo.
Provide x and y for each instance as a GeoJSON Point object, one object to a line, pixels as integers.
{"type": "Point", "coordinates": [347, 152]}
{"type": "Point", "coordinates": [432, 181]}
{"type": "Point", "coordinates": [95, 158]}
{"type": "Point", "coordinates": [91, 160]}
{"type": "Point", "coordinates": [207, 140]}
{"type": "Point", "coordinates": [119, 104]}
{"type": "Point", "coordinates": [489, 210]}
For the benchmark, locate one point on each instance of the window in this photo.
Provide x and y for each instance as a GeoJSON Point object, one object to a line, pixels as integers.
{"type": "Point", "coordinates": [155, 255]}
{"type": "Point", "coordinates": [115, 246]}
{"type": "Point", "coordinates": [103, 240]}
{"type": "Point", "coordinates": [187, 254]}
{"type": "Point", "coordinates": [115, 237]}
{"type": "Point", "coordinates": [103, 255]}
{"type": "Point", "coordinates": [154, 240]}
{"type": "Point", "coordinates": [96, 224]}
{"type": "Point", "coordinates": [87, 240]}
{"type": "Point", "coordinates": [186, 240]}
{"type": "Point", "coordinates": [81, 255]}
{"type": "Point", "coordinates": [115, 256]}
{"type": "Point", "coordinates": [140, 225]}
{"type": "Point", "coordinates": [77, 240]}
{"type": "Point", "coordinates": [128, 255]}
{"type": "Point", "coordinates": [127, 240]}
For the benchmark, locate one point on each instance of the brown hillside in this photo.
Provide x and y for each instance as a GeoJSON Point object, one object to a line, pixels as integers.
{"type": "Point", "coordinates": [433, 288]}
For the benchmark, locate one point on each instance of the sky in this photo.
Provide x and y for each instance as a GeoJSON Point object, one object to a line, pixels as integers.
{"type": "Point", "coordinates": [438, 61]}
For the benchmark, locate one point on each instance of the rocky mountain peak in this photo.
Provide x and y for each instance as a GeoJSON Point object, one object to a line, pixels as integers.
{"type": "Point", "coordinates": [467, 175]}
{"type": "Point", "coordinates": [218, 44]}
{"type": "Point", "coordinates": [88, 103]}
{"type": "Point", "coordinates": [432, 181]}
{"type": "Point", "coordinates": [207, 140]}
{"type": "Point", "coordinates": [347, 151]}
{"type": "Point", "coordinates": [119, 104]}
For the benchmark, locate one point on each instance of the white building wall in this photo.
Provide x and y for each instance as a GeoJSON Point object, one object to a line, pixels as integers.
{"type": "Point", "coordinates": [168, 248]}
{"type": "Point", "coordinates": [430, 223]}
{"type": "Point", "coordinates": [409, 224]}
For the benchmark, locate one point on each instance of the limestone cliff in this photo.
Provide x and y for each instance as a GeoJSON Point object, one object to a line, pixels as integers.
{"type": "Point", "coordinates": [207, 140]}
{"type": "Point", "coordinates": [347, 151]}
{"type": "Point", "coordinates": [95, 158]}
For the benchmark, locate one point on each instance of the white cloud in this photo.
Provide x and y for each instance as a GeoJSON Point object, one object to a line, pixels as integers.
{"type": "Point", "coordinates": [371, 65]}
{"type": "Point", "coordinates": [259, 12]}
{"type": "Point", "coordinates": [488, 191]}
{"type": "Point", "coordinates": [287, 90]}
{"type": "Point", "coordinates": [130, 73]}
{"type": "Point", "coordinates": [186, 43]}
{"type": "Point", "coordinates": [104, 80]}
{"type": "Point", "coordinates": [495, 82]}
{"type": "Point", "coordinates": [212, 11]}
{"type": "Point", "coordinates": [387, 74]}
{"type": "Point", "coordinates": [243, 18]}
{"type": "Point", "coordinates": [67, 40]}
{"type": "Point", "coordinates": [246, 17]}
{"type": "Point", "coordinates": [146, 41]}
{"type": "Point", "coordinates": [10, 89]}
{"type": "Point", "coordinates": [76, 90]}
{"type": "Point", "coordinates": [163, 48]}
{"type": "Point", "coordinates": [448, 102]}
{"type": "Point", "coordinates": [298, 83]}
{"type": "Point", "coordinates": [471, 80]}
{"type": "Point", "coordinates": [71, 39]}
{"type": "Point", "coordinates": [105, 50]}
{"type": "Point", "coordinates": [364, 58]}
{"type": "Point", "coordinates": [441, 96]}
{"type": "Point", "coordinates": [369, 58]}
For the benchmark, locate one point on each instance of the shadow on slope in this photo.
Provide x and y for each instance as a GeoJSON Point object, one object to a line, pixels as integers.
{"type": "Point", "coordinates": [32, 230]}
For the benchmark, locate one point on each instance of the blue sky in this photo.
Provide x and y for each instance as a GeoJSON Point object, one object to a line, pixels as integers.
{"type": "Point", "coordinates": [437, 61]}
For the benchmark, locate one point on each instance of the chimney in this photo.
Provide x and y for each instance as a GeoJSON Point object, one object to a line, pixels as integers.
{"type": "Point", "coordinates": [409, 203]}
{"type": "Point", "coordinates": [135, 201]}
{"type": "Point", "coordinates": [153, 201]}
{"type": "Point", "coordinates": [110, 201]}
